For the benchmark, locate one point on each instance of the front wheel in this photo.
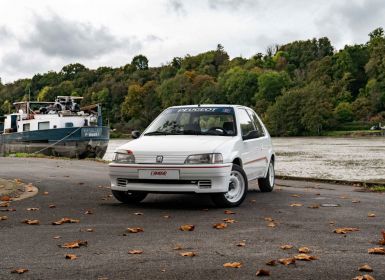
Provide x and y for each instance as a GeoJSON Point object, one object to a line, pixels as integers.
{"type": "Point", "coordinates": [129, 197]}
{"type": "Point", "coordinates": [267, 184]}
{"type": "Point", "coordinates": [238, 186]}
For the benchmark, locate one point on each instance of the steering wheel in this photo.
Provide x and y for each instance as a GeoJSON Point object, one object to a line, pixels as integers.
{"type": "Point", "coordinates": [215, 128]}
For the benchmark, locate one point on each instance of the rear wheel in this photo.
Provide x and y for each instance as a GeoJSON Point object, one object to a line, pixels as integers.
{"type": "Point", "coordinates": [129, 197]}
{"type": "Point", "coordinates": [267, 184]}
{"type": "Point", "coordinates": [238, 186]}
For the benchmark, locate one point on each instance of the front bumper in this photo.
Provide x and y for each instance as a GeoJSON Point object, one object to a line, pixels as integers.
{"type": "Point", "coordinates": [208, 178]}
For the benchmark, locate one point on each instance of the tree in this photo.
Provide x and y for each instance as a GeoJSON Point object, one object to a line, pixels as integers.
{"type": "Point", "coordinates": [71, 70]}
{"type": "Point", "coordinates": [140, 62]}
{"type": "Point", "coordinates": [271, 84]}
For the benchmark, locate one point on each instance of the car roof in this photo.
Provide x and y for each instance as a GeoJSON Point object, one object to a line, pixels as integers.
{"type": "Point", "coordinates": [208, 105]}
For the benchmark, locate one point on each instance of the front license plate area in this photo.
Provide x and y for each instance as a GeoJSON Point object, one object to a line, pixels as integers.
{"type": "Point", "coordinates": [159, 174]}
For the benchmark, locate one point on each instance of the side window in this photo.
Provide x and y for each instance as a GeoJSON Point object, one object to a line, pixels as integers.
{"type": "Point", "coordinates": [257, 123]}
{"type": "Point", "coordinates": [246, 123]}
{"type": "Point", "coordinates": [43, 125]}
{"type": "Point", "coordinates": [26, 127]}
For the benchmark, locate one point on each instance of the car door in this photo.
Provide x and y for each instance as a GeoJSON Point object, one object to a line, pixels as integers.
{"type": "Point", "coordinates": [253, 158]}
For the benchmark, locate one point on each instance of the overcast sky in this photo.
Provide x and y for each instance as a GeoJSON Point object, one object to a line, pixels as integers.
{"type": "Point", "coordinates": [43, 35]}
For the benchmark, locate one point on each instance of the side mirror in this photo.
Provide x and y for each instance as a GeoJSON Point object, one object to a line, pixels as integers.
{"type": "Point", "coordinates": [135, 134]}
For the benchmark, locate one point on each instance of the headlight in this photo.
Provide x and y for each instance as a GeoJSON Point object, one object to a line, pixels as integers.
{"type": "Point", "coordinates": [204, 158]}
{"type": "Point", "coordinates": [127, 157]}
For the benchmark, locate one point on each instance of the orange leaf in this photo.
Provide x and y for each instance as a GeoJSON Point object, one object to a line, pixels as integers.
{"type": "Point", "coordinates": [65, 221]}
{"type": "Point", "coordinates": [271, 224]}
{"type": "Point", "coordinates": [88, 212]}
{"type": "Point", "coordinates": [233, 264]}
{"type": "Point", "coordinates": [229, 221]}
{"type": "Point", "coordinates": [187, 254]}
{"type": "Point", "coordinates": [229, 212]}
{"type": "Point", "coordinates": [5, 204]}
{"type": "Point", "coordinates": [71, 257]}
{"type": "Point", "coordinates": [74, 244]}
{"type": "Point", "coordinates": [5, 198]}
{"type": "Point", "coordinates": [220, 226]}
{"type": "Point", "coordinates": [241, 244]}
{"type": "Point", "coordinates": [272, 263]}
{"type": "Point", "coordinates": [345, 230]}
{"type": "Point", "coordinates": [356, 201]}
{"type": "Point", "coordinates": [287, 261]}
{"type": "Point", "coordinates": [371, 215]}
{"type": "Point", "coordinates": [365, 268]}
{"type": "Point", "coordinates": [286, 247]}
{"type": "Point", "coordinates": [313, 206]}
{"type": "Point", "coordinates": [377, 250]}
{"type": "Point", "coordinates": [263, 272]}
{"type": "Point", "coordinates": [268, 219]}
{"type": "Point", "coordinates": [32, 209]}
{"type": "Point", "coordinates": [304, 250]}
{"type": "Point", "coordinates": [296, 205]}
{"type": "Point", "coordinates": [135, 252]}
{"type": "Point", "coordinates": [19, 270]}
{"type": "Point", "coordinates": [45, 193]}
{"type": "Point", "coordinates": [187, 227]}
{"type": "Point", "coordinates": [304, 257]}
{"type": "Point", "coordinates": [363, 277]}
{"type": "Point", "coordinates": [178, 247]}
{"type": "Point", "coordinates": [52, 206]}
{"type": "Point", "coordinates": [31, 222]}
{"type": "Point", "coordinates": [3, 218]}
{"type": "Point", "coordinates": [135, 230]}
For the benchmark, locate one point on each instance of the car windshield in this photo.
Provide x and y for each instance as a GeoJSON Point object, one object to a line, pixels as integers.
{"type": "Point", "coordinates": [218, 121]}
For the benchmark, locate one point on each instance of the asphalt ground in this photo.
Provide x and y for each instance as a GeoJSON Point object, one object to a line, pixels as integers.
{"type": "Point", "coordinates": [75, 187]}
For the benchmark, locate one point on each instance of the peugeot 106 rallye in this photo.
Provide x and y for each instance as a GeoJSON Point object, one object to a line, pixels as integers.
{"type": "Point", "coordinates": [214, 149]}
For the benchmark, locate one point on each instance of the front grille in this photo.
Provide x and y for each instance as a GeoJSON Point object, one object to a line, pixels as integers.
{"type": "Point", "coordinates": [204, 184]}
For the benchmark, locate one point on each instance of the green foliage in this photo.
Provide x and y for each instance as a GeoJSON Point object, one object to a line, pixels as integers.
{"type": "Point", "coordinates": [300, 88]}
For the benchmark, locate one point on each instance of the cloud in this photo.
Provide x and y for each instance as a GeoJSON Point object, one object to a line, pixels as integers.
{"type": "Point", "coordinates": [5, 34]}
{"type": "Point", "coordinates": [177, 6]}
{"type": "Point", "coordinates": [56, 36]}
{"type": "Point", "coordinates": [231, 4]}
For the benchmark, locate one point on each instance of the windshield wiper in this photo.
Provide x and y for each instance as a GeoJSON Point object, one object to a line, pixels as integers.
{"type": "Point", "coordinates": [156, 133]}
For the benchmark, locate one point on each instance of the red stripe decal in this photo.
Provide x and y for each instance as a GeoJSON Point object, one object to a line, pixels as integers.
{"type": "Point", "coordinates": [255, 160]}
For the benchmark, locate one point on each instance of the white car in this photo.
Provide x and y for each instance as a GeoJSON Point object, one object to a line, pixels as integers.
{"type": "Point", "coordinates": [211, 149]}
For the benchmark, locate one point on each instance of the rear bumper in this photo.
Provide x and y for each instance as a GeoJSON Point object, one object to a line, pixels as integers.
{"type": "Point", "coordinates": [210, 178]}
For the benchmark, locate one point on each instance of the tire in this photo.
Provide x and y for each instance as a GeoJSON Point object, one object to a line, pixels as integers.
{"type": "Point", "coordinates": [129, 197]}
{"type": "Point", "coordinates": [267, 184]}
{"type": "Point", "coordinates": [238, 187]}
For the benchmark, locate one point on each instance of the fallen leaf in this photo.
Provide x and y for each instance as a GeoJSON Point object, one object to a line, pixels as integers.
{"type": "Point", "coordinates": [271, 224]}
{"type": "Point", "coordinates": [32, 209]}
{"type": "Point", "coordinates": [31, 222]}
{"type": "Point", "coordinates": [52, 206]}
{"type": "Point", "coordinates": [304, 250]}
{"type": "Point", "coordinates": [19, 270]}
{"type": "Point", "coordinates": [187, 227]}
{"type": "Point", "coordinates": [356, 201]}
{"type": "Point", "coordinates": [89, 230]}
{"type": "Point", "coordinates": [241, 244]}
{"type": "Point", "coordinates": [178, 247]}
{"type": "Point", "coordinates": [295, 195]}
{"type": "Point", "coordinates": [45, 193]}
{"type": "Point", "coordinates": [135, 230]}
{"type": "Point", "coordinates": [268, 219]}
{"type": "Point", "coordinates": [363, 277]}
{"type": "Point", "coordinates": [65, 221]}
{"type": "Point", "coordinates": [135, 252]}
{"type": "Point", "coordinates": [56, 237]}
{"type": "Point", "coordinates": [365, 268]}
{"type": "Point", "coordinates": [233, 264]}
{"type": "Point", "coordinates": [3, 218]}
{"type": "Point", "coordinates": [18, 181]}
{"type": "Point", "coordinates": [286, 247]}
{"type": "Point", "coordinates": [187, 254]}
{"type": "Point", "coordinates": [377, 251]}
{"type": "Point", "coordinates": [304, 257]}
{"type": "Point", "coordinates": [263, 272]}
{"type": "Point", "coordinates": [382, 242]}
{"type": "Point", "coordinates": [229, 221]}
{"type": "Point", "coordinates": [345, 230]}
{"type": "Point", "coordinates": [229, 212]}
{"type": "Point", "coordinates": [5, 198]}
{"type": "Point", "coordinates": [88, 212]}
{"type": "Point", "coordinates": [74, 244]}
{"type": "Point", "coordinates": [272, 263]}
{"type": "Point", "coordinates": [220, 226]}
{"type": "Point", "coordinates": [295, 205]}
{"type": "Point", "coordinates": [71, 257]}
{"type": "Point", "coordinates": [138, 214]}
{"type": "Point", "coordinates": [287, 261]}
{"type": "Point", "coordinates": [166, 216]}
{"type": "Point", "coordinates": [5, 204]}
{"type": "Point", "coordinates": [313, 206]}
{"type": "Point", "coordinates": [371, 215]}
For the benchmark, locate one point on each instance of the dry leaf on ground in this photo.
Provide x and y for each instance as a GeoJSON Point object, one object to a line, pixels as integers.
{"type": "Point", "coordinates": [5, 198]}
{"type": "Point", "coordinates": [377, 251]}
{"type": "Point", "coordinates": [345, 230]}
{"type": "Point", "coordinates": [382, 241]}
{"type": "Point", "coordinates": [74, 244]}
{"type": "Point", "coordinates": [295, 195]}
{"type": "Point", "coordinates": [56, 237]}
{"type": "Point", "coordinates": [3, 218]}
{"type": "Point", "coordinates": [296, 205]}
{"type": "Point", "coordinates": [356, 201]}
{"type": "Point", "coordinates": [88, 212]}
{"type": "Point", "coordinates": [19, 270]}
{"type": "Point", "coordinates": [220, 226]}
{"type": "Point", "coordinates": [365, 268]}
{"type": "Point", "coordinates": [272, 224]}
{"type": "Point", "coordinates": [52, 206]}
{"type": "Point", "coordinates": [229, 212]}
{"type": "Point", "coordinates": [304, 257]}
{"type": "Point", "coordinates": [31, 222]}
{"type": "Point", "coordinates": [313, 206]}
{"type": "Point", "coordinates": [287, 261]}
{"type": "Point", "coordinates": [71, 257]}
{"type": "Point", "coordinates": [187, 227]}
{"type": "Point", "coordinates": [241, 244]}
{"type": "Point", "coordinates": [272, 263]}
{"type": "Point", "coordinates": [371, 215]}
{"type": "Point", "coordinates": [177, 247]}
{"type": "Point", "coordinates": [166, 216]}
{"type": "Point", "coordinates": [263, 272]}
{"type": "Point", "coordinates": [229, 221]}
{"type": "Point", "coordinates": [5, 204]}
{"type": "Point", "coordinates": [268, 219]}
{"type": "Point", "coordinates": [32, 209]}
{"type": "Point", "coordinates": [286, 247]}
{"type": "Point", "coordinates": [187, 254]}
{"type": "Point", "coordinates": [363, 277]}
{"type": "Point", "coordinates": [65, 221]}
{"type": "Point", "coordinates": [138, 213]}
{"type": "Point", "coordinates": [45, 193]}
{"type": "Point", "coordinates": [135, 252]}
{"type": "Point", "coordinates": [304, 250]}
{"type": "Point", "coordinates": [233, 264]}
{"type": "Point", "coordinates": [135, 230]}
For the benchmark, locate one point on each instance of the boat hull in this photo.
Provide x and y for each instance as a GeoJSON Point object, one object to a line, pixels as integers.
{"type": "Point", "coordinates": [74, 142]}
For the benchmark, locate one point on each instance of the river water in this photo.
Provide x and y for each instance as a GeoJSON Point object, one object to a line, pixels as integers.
{"type": "Point", "coordinates": [353, 159]}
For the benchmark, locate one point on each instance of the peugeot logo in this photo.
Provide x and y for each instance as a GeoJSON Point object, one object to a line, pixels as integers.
{"type": "Point", "coordinates": [159, 159]}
